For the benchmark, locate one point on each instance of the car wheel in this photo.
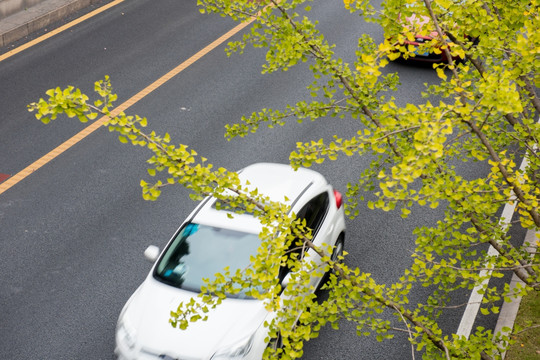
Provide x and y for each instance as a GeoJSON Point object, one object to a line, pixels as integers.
{"type": "Point", "coordinates": [338, 250]}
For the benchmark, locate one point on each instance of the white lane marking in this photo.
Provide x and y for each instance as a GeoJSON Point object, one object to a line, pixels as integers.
{"type": "Point", "coordinates": [475, 300]}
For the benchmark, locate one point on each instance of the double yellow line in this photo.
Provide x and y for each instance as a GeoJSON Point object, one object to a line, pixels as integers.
{"type": "Point", "coordinates": [7, 184]}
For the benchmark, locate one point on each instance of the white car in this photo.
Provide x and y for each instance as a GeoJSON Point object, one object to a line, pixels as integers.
{"type": "Point", "coordinates": [207, 242]}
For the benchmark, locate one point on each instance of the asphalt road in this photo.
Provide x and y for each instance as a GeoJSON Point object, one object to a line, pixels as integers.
{"type": "Point", "coordinates": [72, 234]}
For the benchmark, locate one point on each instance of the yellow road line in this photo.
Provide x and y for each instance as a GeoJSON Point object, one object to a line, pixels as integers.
{"type": "Point", "coordinates": [59, 30]}
{"type": "Point", "coordinates": [122, 107]}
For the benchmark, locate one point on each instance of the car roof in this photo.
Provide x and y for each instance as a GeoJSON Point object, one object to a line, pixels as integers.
{"type": "Point", "coordinates": [276, 181]}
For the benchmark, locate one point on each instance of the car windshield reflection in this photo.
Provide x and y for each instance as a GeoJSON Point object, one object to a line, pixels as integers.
{"type": "Point", "coordinates": [200, 251]}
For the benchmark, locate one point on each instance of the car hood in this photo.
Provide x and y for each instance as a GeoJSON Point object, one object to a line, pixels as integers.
{"type": "Point", "coordinates": [149, 312]}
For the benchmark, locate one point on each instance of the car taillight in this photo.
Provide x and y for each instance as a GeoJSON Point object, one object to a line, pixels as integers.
{"type": "Point", "coordinates": [339, 198]}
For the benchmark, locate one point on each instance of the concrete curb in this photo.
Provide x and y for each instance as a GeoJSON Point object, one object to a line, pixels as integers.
{"type": "Point", "coordinates": [25, 22]}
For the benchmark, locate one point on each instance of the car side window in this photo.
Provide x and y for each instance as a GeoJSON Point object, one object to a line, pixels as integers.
{"type": "Point", "coordinates": [315, 211]}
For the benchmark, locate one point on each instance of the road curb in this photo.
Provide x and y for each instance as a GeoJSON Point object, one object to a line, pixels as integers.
{"type": "Point", "coordinates": [25, 22]}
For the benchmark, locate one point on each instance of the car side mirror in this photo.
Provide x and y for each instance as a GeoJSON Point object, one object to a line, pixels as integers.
{"type": "Point", "coordinates": [151, 253]}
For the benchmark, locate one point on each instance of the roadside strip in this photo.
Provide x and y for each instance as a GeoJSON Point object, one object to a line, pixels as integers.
{"type": "Point", "coordinates": [15, 179]}
{"type": "Point", "coordinates": [509, 310]}
{"type": "Point", "coordinates": [59, 30]}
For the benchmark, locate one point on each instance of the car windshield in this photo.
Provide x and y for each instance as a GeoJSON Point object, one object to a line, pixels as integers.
{"type": "Point", "coordinates": [200, 251]}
